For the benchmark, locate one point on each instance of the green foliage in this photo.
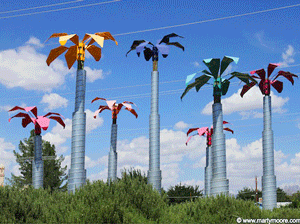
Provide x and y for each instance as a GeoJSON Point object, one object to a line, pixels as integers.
{"type": "Point", "coordinates": [181, 193]}
{"type": "Point", "coordinates": [295, 199]}
{"type": "Point", "coordinates": [54, 175]}
{"type": "Point", "coordinates": [249, 194]}
{"type": "Point", "coordinates": [127, 200]}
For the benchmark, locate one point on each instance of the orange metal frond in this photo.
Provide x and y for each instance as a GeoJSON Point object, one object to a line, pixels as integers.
{"type": "Point", "coordinates": [56, 35]}
{"type": "Point", "coordinates": [54, 53]}
{"type": "Point", "coordinates": [71, 56]}
{"type": "Point", "coordinates": [95, 52]}
{"type": "Point", "coordinates": [107, 36]}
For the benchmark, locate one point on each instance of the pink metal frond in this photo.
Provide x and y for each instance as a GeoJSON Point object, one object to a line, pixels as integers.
{"type": "Point", "coordinates": [228, 129]}
{"type": "Point", "coordinates": [132, 111]}
{"type": "Point", "coordinates": [16, 108]}
{"type": "Point", "coordinates": [53, 113]}
{"type": "Point", "coordinates": [25, 121]}
{"type": "Point", "coordinates": [43, 122]}
{"type": "Point", "coordinates": [59, 120]}
{"type": "Point", "coordinates": [191, 130]}
{"type": "Point", "coordinates": [202, 131]}
{"type": "Point", "coordinates": [98, 98]}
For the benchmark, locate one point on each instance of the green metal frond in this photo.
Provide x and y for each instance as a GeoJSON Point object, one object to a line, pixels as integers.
{"type": "Point", "coordinates": [224, 64]}
{"type": "Point", "coordinates": [225, 86]}
{"type": "Point", "coordinates": [213, 65]}
{"type": "Point", "coordinates": [199, 82]}
{"type": "Point", "coordinates": [243, 77]}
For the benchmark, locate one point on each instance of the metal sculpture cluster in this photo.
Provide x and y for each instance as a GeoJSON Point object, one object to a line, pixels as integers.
{"type": "Point", "coordinates": [40, 122]}
{"type": "Point", "coordinates": [115, 108]}
{"type": "Point", "coordinates": [208, 174]}
{"type": "Point", "coordinates": [154, 173]}
{"type": "Point", "coordinates": [269, 190]}
{"type": "Point", "coordinates": [215, 170]}
{"type": "Point", "coordinates": [77, 173]}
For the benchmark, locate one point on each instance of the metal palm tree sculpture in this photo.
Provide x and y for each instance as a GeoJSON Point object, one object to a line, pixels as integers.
{"type": "Point", "coordinates": [115, 108]}
{"type": "Point", "coordinates": [220, 87]}
{"type": "Point", "coordinates": [209, 159]}
{"type": "Point", "coordinates": [269, 190]}
{"type": "Point", "coordinates": [77, 173]}
{"type": "Point", "coordinates": [154, 173]}
{"type": "Point", "coordinates": [39, 122]}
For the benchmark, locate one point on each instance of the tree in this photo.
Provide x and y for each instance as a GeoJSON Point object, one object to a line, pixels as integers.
{"type": "Point", "coordinates": [115, 108]}
{"type": "Point", "coordinates": [54, 175]}
{"type": "Point", "coordinates": [220, 87]}
{"type": "Point", "coordinates": [208, 169]}
{"type": "Point", "coordinates": [40, 122]}
{"type": "Point", "coordinates": [248, 194]}
{"type": "Point", "coordinates": [268, 178]}
{"type": "Point", "coordinates": [154, 173]}
{"type": "Point", "coordinates": [181, 193]}
{"type": "Point", "coordinates": [77, 173]}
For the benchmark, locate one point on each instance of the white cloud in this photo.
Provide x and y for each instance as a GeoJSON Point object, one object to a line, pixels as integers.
{"type": "Point", "coordinates": [252, 100]}
{"type": "Point", "coordinates": [94, 74]}
{"type": "Point", "coordinates": [261, 37]}
{"type": "Point", "coordinates": [181, 125]}
{"type": "Point", "coordinates": [26, 68]}
{"type": "Point", "coordinates": [59, 135]}
{"type": "Point", "coordinates": [287, 56]}
{"type": "Point", "coordinates": [135, 153]}
{"type": "Point", "coordinates": [54, 101]}
{"type": "Point", "coordinates": [35, 42]}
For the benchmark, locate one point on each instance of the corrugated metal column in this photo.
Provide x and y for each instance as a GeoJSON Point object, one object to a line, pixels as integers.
{"type": "Point", "coordinates": [113, 156]}
{"type": "Point", "coordinates": [154, 172]}
{"type": "Point", "coordinates": [208, 170]}
{"type": "Point", "coordinates": [77, 173]}
{"type": "Point", "coordinates": [37, 163]}
{"type": "Point", "coordinates": [220, 183]}
{"type": "Point", "coordinates": [269, 194]}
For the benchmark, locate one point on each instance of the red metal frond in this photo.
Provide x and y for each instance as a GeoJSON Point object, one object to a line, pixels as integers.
{"type": "Point", "coordinates": [278, 85]}
{"type": "Point", "coordinates": [287, 75]}
{"type": "Point", "coordinates": [271, 68]}
{"type": "Point", "coordinates": [261, 73]}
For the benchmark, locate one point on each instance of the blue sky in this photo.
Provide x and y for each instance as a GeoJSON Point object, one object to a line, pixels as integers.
{"type": "Point", "coordinates": [257, 39]}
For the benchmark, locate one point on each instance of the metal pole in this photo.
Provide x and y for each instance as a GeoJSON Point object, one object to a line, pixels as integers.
{"type": "Point", "coordinates": [219, 183]}
{"type": "Point", "coordinates": [154, 172]}
{"type": "Point", "coordinates": [113, 156]}
{"type": "Point", "coordinates": [37, 163]}
{"type": "Point", "coordinates": [269, 194]}
{"type": "Point", "coordinates": [77, 173]}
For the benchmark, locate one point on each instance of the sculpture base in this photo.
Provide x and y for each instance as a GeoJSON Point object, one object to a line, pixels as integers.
{"type": "Point", "coordinates": [154, 178]}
